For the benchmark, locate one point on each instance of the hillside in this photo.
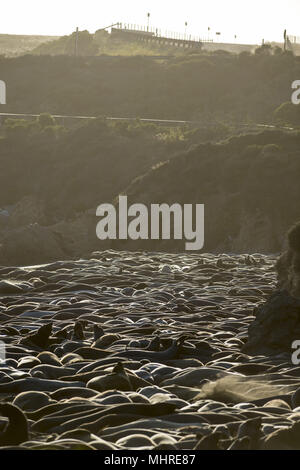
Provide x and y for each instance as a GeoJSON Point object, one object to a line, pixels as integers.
{"type": "Point", "coordinates": [209, 88]}
{"type": "Point", "coordinates": [14, 44]}
{"type": "Point", "coordinates": [53, 179]}
{"type": "Point", "coordinates": [101, 42]}
{"type": "Point", "coordinates": [249, 185]}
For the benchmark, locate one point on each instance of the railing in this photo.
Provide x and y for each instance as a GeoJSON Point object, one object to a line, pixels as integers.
{"type": "Point", "coordinates": [294, 39]}
{"type": "Point", "coordinates": [157, 33]}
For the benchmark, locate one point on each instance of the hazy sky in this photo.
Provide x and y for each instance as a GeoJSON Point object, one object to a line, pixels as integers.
{"type": "Point", "coordinates": [250, 20]}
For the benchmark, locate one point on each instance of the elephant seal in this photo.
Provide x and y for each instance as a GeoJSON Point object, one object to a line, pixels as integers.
{"type": "Point", "coordinates": [31, 401]}
{"type": "Point", "coordinates": [40, 338]}
{"type": "Point", "coordinates": [78, 334]}
{"type": "Point", "coordinates": [117, 380]}
{"type": "Point", "coordinates": [154, 356]}
{"type": "Point", "coordinates": [49, 358]}
{"type": "Point", "coordinates": [89, 421]}
{"type": "Point", "coordinates": [210, 442]}
{"type": "Point", "coordinates": [16, 430]}
{"type": "Point", "coordinates": [98, 332]}
{"type": "Point", "coordinates": [36, 384]}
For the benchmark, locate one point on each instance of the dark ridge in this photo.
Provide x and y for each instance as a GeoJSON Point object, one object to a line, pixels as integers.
{"type": "Point", "coordinates": [294, 237]}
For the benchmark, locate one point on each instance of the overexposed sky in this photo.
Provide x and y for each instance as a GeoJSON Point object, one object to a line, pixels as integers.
{"type": "Point", "coordinates": [250, 20]}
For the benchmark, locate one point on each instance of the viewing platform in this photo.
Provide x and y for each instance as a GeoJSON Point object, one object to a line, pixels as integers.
{"type": "Point", "coordinates": [134, 33]}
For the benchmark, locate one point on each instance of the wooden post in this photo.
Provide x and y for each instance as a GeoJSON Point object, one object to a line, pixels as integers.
{"type": "Point", "coordinates": [76, 42]}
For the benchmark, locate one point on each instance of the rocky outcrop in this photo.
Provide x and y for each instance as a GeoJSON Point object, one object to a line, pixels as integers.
{"type": "Point", "coordinates": [276, 325]}
{"type": "Point", "coordinates": [288, 265]}
{"type": "Point", "coordinates": [32, 244]}
{"type": "Point", "coordinates": [277, 321]}
{"type": "Point", "coordinates": [35, 244]}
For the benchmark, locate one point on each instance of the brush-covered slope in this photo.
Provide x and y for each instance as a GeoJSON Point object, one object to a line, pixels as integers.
{"type": "Point", "coordinates": [249, 185]}
{"type": "Point", "coordinates": [207, 88]}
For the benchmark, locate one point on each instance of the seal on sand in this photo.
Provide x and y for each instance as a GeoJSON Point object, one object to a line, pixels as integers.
{"type": "Point", "coordinates": [78, 334]}
{"type": "Point", "coordinates": [98, 332]}
{"type": "Point", "coordinates": [16, 430]}
{"type": "Point", "coordinates": [117, 380]}
{"type": "Point", "coordinates": [155, 356]}
{"type": "Point", "coordinates": [31, 401]}
{"type": "Point", "coordinates": [40, 338]}
{"type": "Point", "coordinates": [93, 420]}
{"type": "Point", "coordinates": [30, 384]}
